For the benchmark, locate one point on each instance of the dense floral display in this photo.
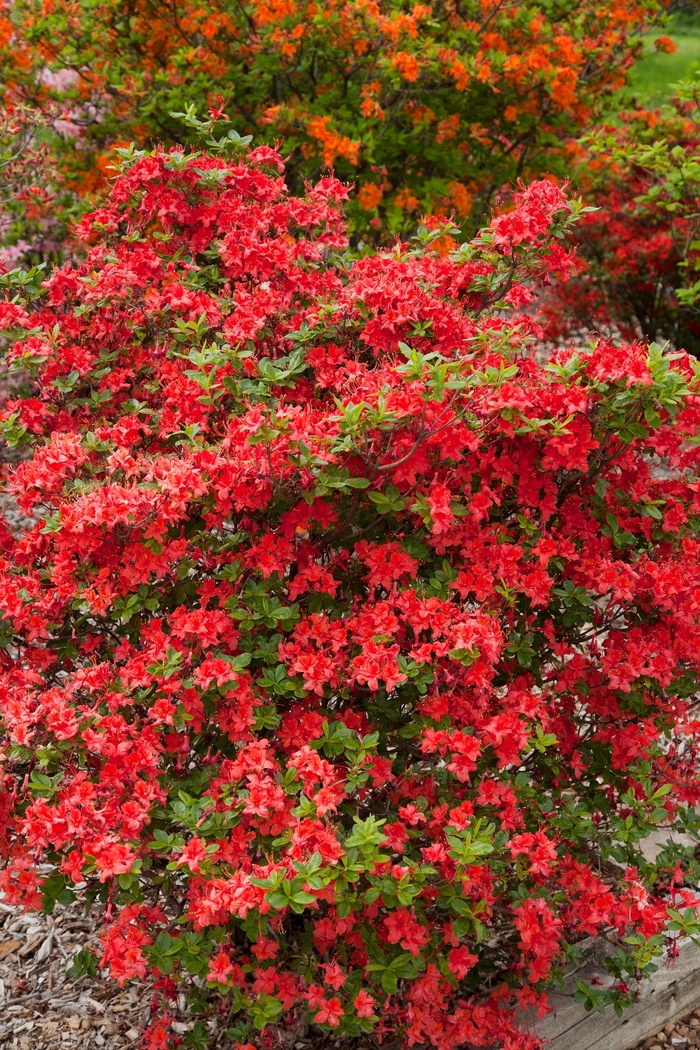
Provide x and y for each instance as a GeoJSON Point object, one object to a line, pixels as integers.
{"type": "Point", "coordinates": [351, 655]}
{"type": "Point", "coordinates": [429, 107]}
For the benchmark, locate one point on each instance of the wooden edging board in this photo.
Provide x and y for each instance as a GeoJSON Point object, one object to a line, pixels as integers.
{"type": "Point", "coordinates": [673, 991]}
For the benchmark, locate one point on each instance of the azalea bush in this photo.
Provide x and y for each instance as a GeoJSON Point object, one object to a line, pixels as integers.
{"type": "Point", "coordinates": [28, 175]}
{"type": "Point", "coordinates": [429, 107]}
{"type": "Point", "coordinates": [639, 248]}
{"type": "Point", "coordinates": [351, 656]}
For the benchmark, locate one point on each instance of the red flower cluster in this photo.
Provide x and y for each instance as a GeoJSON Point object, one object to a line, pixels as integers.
{"type": "Point", "coordinates": [352, 643]}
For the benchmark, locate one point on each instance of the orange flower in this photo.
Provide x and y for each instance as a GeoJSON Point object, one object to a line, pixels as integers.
{"type": "Point", "coordinates": [664, 43]}
{"type": "Point", "coordinates": [447, 55]}
{"type": "Point", "coordinates": [564, 88]}
{"type": "Point", "coordinates": [406, 64]}
{"type": "Point", "coordinates": [406, 199]}
{"type": "Point", "coordinates": [369, 196]}
{"type": "Point", "coordinates": [459, 72]}
{"type": "Point", "coordinates": [333, 145]}
{"type": "Point", "coordinates": [447, 128]}
{"type": "Point", "coordinates": [6, 31]}
{"type": "Point", "coordinates": [567, 49]}
{"type": "Point", "coordinates": [371, 108]}
{"type": "Point", "coordinates": [418, 113]}
{"type": "Point", "coordinates": [461, 198]}
{"type": "Point", "coordinates": [271, 115]}
{"type": "Point", "coordinates": [372, 88]}
{"type": "Point", "coordinates": [273, 11]}
{"type": "Point", "coordinates": [444, 245]}
{"type": "Point", "coordinates": [484, 69]}
{"type": "Point", "coordinates": [493, 42]}
{"type": "Point", "coordinates": [480, 132]}
{"type": "Point", "coordinates": [510, 113]}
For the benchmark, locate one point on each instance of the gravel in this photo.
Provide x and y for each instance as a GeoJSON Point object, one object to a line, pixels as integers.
{"type": "Point", "coordinates": [684, 1033]}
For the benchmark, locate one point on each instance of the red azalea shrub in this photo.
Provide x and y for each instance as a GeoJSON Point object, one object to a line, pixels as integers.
{"type": "Point", "coordinates": [348, 660]}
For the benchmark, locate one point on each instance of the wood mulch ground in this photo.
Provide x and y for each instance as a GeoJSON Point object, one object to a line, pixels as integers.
{"type": "Point", "coordinates": [43, 1009]}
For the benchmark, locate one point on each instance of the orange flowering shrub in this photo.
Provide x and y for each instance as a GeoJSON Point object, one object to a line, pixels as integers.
{"type": "Point", "coordinates": [477, 94]}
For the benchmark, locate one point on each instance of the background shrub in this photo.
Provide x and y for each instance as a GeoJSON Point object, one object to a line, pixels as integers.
{"type": "Point", "coordinates": [639, 247]}
{"type": "Point", "coordinates": [430, 108]}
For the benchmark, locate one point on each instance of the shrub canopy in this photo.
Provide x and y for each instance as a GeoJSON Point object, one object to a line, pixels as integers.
{"type": "Point", "coordinates": [348, 660]}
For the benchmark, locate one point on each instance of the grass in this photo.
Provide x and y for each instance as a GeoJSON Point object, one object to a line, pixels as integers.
{"type": "Point", "coordinates": [653, 75]}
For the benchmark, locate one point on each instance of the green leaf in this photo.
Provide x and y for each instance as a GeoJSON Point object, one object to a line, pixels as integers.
{"type": "Point", "coordinates": [83, 964]}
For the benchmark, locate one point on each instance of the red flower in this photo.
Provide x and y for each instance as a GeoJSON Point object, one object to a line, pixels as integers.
{"type": "Point", "coordinates": [330, 1012]}
{"type": "Point", "coordinates": [461, 961]}
{"type": "Point", "coordinates": [220, 969]}
{"type": "Point", "coordinates": [364, 1003]}
{"type": "Point", "coordinates": [403, 929]}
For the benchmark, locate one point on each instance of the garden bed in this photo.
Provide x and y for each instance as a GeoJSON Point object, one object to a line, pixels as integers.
{"type": "Point", "coordinates": [43, 1009]}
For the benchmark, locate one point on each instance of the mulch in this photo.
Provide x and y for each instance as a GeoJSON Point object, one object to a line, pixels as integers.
{"type": "Point", "coordinates": [43, 1009]}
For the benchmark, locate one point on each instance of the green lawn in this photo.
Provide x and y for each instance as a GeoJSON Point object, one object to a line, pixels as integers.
{"type": "Point", "coordinates": [653, 75]}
